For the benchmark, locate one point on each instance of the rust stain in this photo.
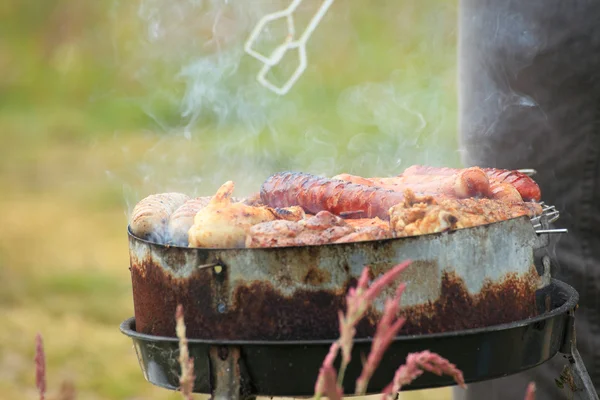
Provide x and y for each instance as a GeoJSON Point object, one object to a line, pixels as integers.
{"type": "Point", "coordinates": [510, 300]}
{"type": "Point", "coordinates": [315, 276]}
{"type": "Point", "coordinates": [258, 311]}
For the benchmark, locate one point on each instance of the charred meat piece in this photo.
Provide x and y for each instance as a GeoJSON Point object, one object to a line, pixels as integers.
{"type": "Point", "coordinates": [150, 217]}
{"type": "Point", "coordinates": [294, 213]}
{"type": "Point", "coordinates": [322, 228]}
{"type": "Point", "coordinates": [315, 194]}
{"type": "Point", "coordinates": [420, 215]}
{"type": "Point", "coordinates": [468, 182]}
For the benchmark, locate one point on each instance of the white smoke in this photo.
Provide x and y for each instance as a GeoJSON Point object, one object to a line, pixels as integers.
{"type": "Point", "coordinates": [223, 125]}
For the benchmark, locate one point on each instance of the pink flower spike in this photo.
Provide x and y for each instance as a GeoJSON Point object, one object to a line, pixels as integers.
{"type": "Point", "coordinates": [326, 368]}
{"type": "Point", "coordinates": [347, 332]}
{"type": "Point", "coordinates": [40, 366]}
{"type": "Point", "coordinates": [333, 352]}
{"type": "Point", "coordinates": [387, 329]}
{"type": "Point", "coordinates": [531, 389]}
{"type": "Point", "coordinates": [439, 365]}
{"type": "Point", "coordinates": [416, 363]}
{"type": "Point", "coordinates": [386, 280]}
{"type": "Point", "coordinates": [363, 281]}
{"type": "Point", "coordinates": [406, 374]}
{"type": "Point", "coordinates": [399, 291]}
{"type": "Point", "coordinates": [329, 386]}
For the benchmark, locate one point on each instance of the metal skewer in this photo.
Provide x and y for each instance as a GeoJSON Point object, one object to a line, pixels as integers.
{"type": "Point", "coordinates": [552, 231]}
{"type": "Point", "coordinates": [529, 172]}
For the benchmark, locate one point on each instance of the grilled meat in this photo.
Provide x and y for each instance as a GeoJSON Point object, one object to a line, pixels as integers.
{"type": "Point", "coordinates": [468, 182]}
{"type": "Point", "coordinates": [183, 218]}
{"type": "Point", "coordinates": [294, 213]}
{"type": "Point", "coordinates": [420, 215]}
{"type": "Point", "coordinates": [525, 185]}
{"type": "Point", "coordinates": [150, 216]}
{"type": "Point", "coordinates": [224, 224]}
{"type": "Point", "coordinates": [322, 228]}
{"type": "Point", "coordinates": [368, 222]}
{"type": "Point", "coordinates": [315, 194]}
{"type": "Point", "coordinates": [505, 192]}
{"type": "Point", "coordinates": [295, 209]}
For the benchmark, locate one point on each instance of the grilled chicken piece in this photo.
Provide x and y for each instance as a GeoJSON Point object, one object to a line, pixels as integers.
{"type": "Point", "coordinates": [322, 228]}
{"type": "Point", "coordinates": [425, 214]}
{"type": "Point", "coordinates": [223, 224]}
{"type": "Point", "coordinates": [183, 218]}
{"type": "Point", "coordinates": [150, 217]}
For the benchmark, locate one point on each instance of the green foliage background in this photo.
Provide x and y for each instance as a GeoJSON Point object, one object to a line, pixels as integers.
{"type": "Point", "coordinates": [92, 104]}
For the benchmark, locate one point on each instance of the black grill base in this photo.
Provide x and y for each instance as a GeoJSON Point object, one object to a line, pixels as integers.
{"type": "Point", "coordinates": [245, 369]}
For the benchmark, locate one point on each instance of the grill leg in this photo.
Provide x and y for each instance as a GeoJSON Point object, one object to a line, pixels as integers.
{"type": "Point", "coordinates": [575, 377]}
{"type": "Point", "coordinates": [226, 374]}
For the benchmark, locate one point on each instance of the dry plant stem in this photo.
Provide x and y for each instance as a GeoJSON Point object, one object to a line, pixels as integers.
{"type": "Point", "coordinates": [186, 381]}
{"type": "Point", "coordinates": [40, 366]}
{"type": "Point", "coordinates": [358, 301]}
{"type": "Point", "coordinates": [531, 389]}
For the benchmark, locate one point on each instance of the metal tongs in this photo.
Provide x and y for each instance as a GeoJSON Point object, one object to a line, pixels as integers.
{"type": "Point", "coordinates": [290, 42]}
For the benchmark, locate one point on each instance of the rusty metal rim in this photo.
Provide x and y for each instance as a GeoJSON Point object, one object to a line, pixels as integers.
{"type": "Point", "coordinates": [127, 328]}
{"type": "Point", "coordinates": [375, 242]}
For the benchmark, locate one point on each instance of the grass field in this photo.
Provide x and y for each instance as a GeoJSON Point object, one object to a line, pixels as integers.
{"type": "Point", "coordinates": [102, 103]}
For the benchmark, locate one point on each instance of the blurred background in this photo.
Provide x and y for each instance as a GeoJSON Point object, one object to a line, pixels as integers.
{"type": "Point", "coordinates": [105, 102]}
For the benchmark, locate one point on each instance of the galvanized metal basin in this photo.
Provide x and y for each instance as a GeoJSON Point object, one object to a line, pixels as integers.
{"type": "Point", "coordinates": [464, 279]}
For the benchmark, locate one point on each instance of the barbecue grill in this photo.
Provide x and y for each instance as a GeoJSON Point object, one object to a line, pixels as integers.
{"type": "Point", "coordinates": [256, 317]}
{"type": "Point", "coordinates": [245, 369]}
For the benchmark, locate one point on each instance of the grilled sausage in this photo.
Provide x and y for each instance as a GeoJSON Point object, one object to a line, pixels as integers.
{"type": "Point", "coordinates": [525, 185]}
{"type": "Point", "coordinates": [315, 194]}
{"type": "Point", "coordinates": [150, 217]}
{"type": "Point", "coordinates": [470, 182]}
{"type": "Point", "coordinates": [505, 192]}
